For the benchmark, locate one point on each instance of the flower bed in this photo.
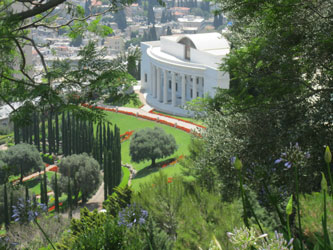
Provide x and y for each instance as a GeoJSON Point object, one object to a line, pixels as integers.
{"type": "Point", "coordinates": [53, 207]}
{"type": "Point", "coordinates": [157, 113]}
{"type": "Point", "coordinates": [151, 118]}
{"type": "Point", "coordinates": [54, 168]}
{"type": "Point", "coordinates": [126, 136]}
{"type": "Point", "coordinates": [173, 162]}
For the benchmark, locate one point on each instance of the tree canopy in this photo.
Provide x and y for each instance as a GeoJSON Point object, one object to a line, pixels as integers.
{"type": "Point", "coordinates": [22, 158]}
{"type": "Point", "coordinates": [151, 144]}
{"type": "Point", "coordinates": [19, 82]}
{"type": "Point", "coordinates": [83, 170]}
{"type": "Point", "coordinates": [280, 94]}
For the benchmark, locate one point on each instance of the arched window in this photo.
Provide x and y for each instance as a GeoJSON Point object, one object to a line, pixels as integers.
{"type": "Point", "coordinates": [188, 45]}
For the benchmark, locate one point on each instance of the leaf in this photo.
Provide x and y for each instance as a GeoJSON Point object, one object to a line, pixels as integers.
{"type": "Point", "coordinates": [328, 155]}
{"type": "Point", "coordinates": [289, 208]}
{"type": "Point", "coordinates": [323, 183]}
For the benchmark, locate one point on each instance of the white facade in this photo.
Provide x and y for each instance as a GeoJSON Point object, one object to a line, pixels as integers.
{"type": "Point", "coordinates": [180, 68]}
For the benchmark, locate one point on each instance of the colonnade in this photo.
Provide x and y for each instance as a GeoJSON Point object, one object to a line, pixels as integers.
{"type": "Point", "coordinates": [182, 86]}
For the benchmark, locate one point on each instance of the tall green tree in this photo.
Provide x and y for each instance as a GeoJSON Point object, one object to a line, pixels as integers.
{"type": "Point", "coordinates": [4, 173]}
{"type": "Point", "coordinates": [23, 158]}
{"type": "Point", "coordinates": [151, 144]}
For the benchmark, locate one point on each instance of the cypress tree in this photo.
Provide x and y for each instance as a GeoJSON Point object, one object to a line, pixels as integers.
{"type": "Point", "coordinates": [16, 134]}
{"type": "Point", "coordinates": [35, 129]}
{"type": "Point", "coordinates": [69, 197]}
{"type": "Point", "coordinates": [23, 134]}
{"type": "Point", "coordinates": [57, 132]}
{"type": "Point", "coordinates": [49, 132]}
{"type": "Point", "coordinates": [76, 193]}
{"type": "Point", "coordinates": [5, 203]}
{"type": "Point", "coordinates": [11, 205]}
{"type": "Point", "coordinates": [46, 198]}
{"type": "Point", "coordinates": [110, 173]}
{"type": "Point", "coordinates": [31, 133]}
{"type": "Point", "coordinates": [43, 134]}
{"type": "Point", "coordinates": [63, 134]}
{"type": "Point", "coordinates": [56, 193]}
{"type": "Point", "coordinates": [41, 185]}
{"type": "Point", "coordinates": [69, 135]}
{"type": "Point", "coordinates": [26, 193]}
{"type": "Point", "coordinates": [100, 144]}
{"type": "Point", "coordinates": [105, 175]}
{"type": "Point", "coordinates": [73, 133]}
{"type": "Point", "coordinates": [37, 132]}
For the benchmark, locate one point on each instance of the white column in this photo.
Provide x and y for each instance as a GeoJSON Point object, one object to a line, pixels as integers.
{"type": "Point", "coordinates": [159, 96]}
{"type": "Point", "coordinates": [151, 79]}
{"type": "Point", "coordinates": [154, 82]}
{"type": "Point", "coordinates": [203, 86]}
{"type": "Point", "coordinates": [173, 89]}
{"type": "Point", "coordinates": [165, 88]}
{"type": "Point", "coordinates": [183, 90]}
{"type": "Point", "coordinates": [194, 83]}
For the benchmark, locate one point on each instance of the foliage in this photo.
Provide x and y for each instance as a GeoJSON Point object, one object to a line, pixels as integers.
{"type": "Point", "coordinates": [22, 158]}
{"type": "Point", "coordinates": [151, 144]}
{"type": "Point", "coordinates": [244, 238]}
{"type": "Point", "coordinates": [276, 82]}
{"type": "Point", "coordinates": [186, 212]}
{"type": "Point", "coordinates": [119, 199]}
{"type": "Point", "coordinates": [92, 231]}
{"type": "Point", "coordinates": [29, 236]}
{"type": "Point", "coordinates": [83, 170]}
{"type": "Point", "coordinates": [312, 212]}
{"type": "Point", "coordinates": [20, 83]}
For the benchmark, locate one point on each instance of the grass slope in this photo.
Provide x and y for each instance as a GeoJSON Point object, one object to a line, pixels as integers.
{"type": "Point", "coordinates": [129, 123]}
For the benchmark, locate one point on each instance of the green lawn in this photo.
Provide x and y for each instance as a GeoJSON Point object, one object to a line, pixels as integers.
{"type": "Point", "coordinates": [125, 178]}
{"type": "Point", "coordinates": [147, 174]}
{"type": "Point", "coordinates": [199, 122]}
{"type": "Point", "coordinates": [34, 184]}
{"type": "Point", "coordinates": [128, 123]}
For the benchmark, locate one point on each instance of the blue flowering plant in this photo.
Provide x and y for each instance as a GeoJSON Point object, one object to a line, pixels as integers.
{"type": "Point", "coordinates": [293, 156]}
{"type": "Point", "coordinates": [26, 211]}
{"type": "Point", "coordinates": [132, 215]}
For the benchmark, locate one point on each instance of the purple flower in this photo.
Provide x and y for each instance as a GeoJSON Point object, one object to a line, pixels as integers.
{"type": "Point", "coordinates": [27, 211]}
{"type": "Point", "coordinates": [132, 215]}
{"type": "Point", "coordinates": [278, 161]}
{"type": "Point", "coordinates": [232, 160]}
{"type": "Point", "coordinates": [288, 164]}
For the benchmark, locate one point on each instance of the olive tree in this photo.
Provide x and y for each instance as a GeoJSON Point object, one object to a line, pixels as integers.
{"type": "Point", "coordinates": [83, 173]}
{"type": "Point", "coordinates": [22, 159]}
{"type": "Point", "coordinates": [151, 144]}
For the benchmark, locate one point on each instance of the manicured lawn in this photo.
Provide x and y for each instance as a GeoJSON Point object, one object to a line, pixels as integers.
{"type": "Point", "coordinates": [125, 178]}
{"type": "Point", "coordinates": [199, 122]}
{"type": "Point", "coordinates": [34, 184]}
{"type": "Point", "coordinates": [129, 123]}
{"type": "Point", "coordinates": [147, 174]}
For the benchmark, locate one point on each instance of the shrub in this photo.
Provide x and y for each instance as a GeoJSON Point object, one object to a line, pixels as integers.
{"type": "Point", "coordinates": [190, 215]}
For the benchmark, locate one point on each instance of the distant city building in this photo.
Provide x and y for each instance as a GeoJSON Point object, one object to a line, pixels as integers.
{"type": "Point", "coordinates": [115, 44]}
{"type": "Point", "coordinates": [180, 11]}
{"type": "Point", "coordinates": [180, 68]}
{"type": "Point", "coordinates": [191, 24]}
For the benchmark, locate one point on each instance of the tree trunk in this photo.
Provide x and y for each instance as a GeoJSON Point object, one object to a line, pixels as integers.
{"type": "Point", "coordinates": [153, 162]}
{"type": "Point", "coordinates": [5, 201]}
{"type": "Point", "coordinates": [21, 177]}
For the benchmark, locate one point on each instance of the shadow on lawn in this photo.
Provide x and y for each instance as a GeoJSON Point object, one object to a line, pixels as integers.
{"type": "Point", "coordinates": [149, 170]}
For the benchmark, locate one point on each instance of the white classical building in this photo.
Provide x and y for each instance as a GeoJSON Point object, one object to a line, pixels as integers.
{"type": "Point", "coordinates": [180, 68]}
